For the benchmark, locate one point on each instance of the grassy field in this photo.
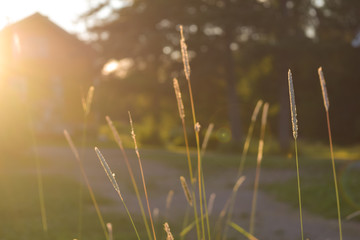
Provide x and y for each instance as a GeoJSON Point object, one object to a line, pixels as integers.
{"type": "Point", "coordinates": [19, 205]}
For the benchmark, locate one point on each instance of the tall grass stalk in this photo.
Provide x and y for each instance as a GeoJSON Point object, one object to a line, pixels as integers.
{"type": "Point", "coordinates": [232, 202]}
{"type": "Point", "coordinates": [142, 174]}
{"type": "Point", "coordinates": [113, 181]}
{"type": "Point", "coordinates": [211, 203]}
{"type": "Point", "coordinates": [206, 138]}
{"type": "Point", "coordinates": [133, 181]}
{"type": "Point", "coordinates": [229, 205]}
{"type": "Point", "coordinates": [86, 104]}
{"type": "Point", "coordinates": [169, 199]}
{"type": "Point", "coordinates": [295, 135]}
{"type": "Point", "coordinates": [186, 63]}
{"type": "Point", "coordinates": [242, 231]}
{"type": "Point", "coordinates": [39, 177]}
{"type": "Point", "coordinates": [327, 105]}
{"type": "Point", "coordinates": [258, 166]}
{"type": "Point", "coordinates": [248, 137]}
{"type": "Point", "coordinates": [83, 173]}
{"type": "Point", "coordinates": [192, 179]}
{"type": "Point", "coordinates": [186, 190]}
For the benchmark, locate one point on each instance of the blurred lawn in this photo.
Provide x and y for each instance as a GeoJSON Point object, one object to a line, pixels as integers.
{"type": "Point", "coordinates": [20, 210]}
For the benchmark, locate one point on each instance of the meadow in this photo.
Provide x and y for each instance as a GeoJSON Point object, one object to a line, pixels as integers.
{"type": "Point", "coordinates": [256, 199]}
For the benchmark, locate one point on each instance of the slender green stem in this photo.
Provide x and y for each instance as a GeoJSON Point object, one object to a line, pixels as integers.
{"type": "Point", "coordinates": [186, 220]}
{"type": "Point", "coordinates": [206, 207]}
{"type": "Point", "coordinates": [92, 196]}
{"type": "Point", "coordinates": [83, 173]}
{"type": "Point", "coordinates": [334, 173]}
{"type": "Point", "coordinates": [128, 213]}
{"type": "Point", "coordinates": [191, 180]}
{"type": "Point", "coordinates": [242, 231]}
{"type": "Point", "coordinates": [199, 161]}
{"type": "Point", "coordinates": [130, 171]}
{"type": "Point", "coordinates": [83, 145]}
{"type": "Point", "coordinates": [254, 200]}
{"type": "Point", "coordinates": [187, 151]}
{"type": "Point", "coordinates": [299, 189]}
{"type": "Point", "coordinates": [249, 135]}
{"type": "Point", "coordinates": [142, 175]}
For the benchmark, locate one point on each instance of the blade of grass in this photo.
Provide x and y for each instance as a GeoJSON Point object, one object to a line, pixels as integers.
{"type": "Point", "coordinates": [192, 179]}
{"type": "Point", "coordinates": [327, 105]}
{"type": "Point", "coordinates": [38, 171]}
{"type": "Point", "coordinates": [186, 63]}
{"type": "Point", "coordinates": [229, 215]}
{"type": "Point", "coordinates": [295, 134]}
{"type": "Point", "coordinates": [258, 166]}
{"type": "Point", "coordinates": [86, 103]}
{"type": "Point", "coordinates": [113, 181]}
{"type": "Point", "coordinates": [83, 173]}
{"type": "Point", "coordinates": [242, 231]}
{"type": "Point", "coordinates": [206, 138]}
{"type": "Point", "coordinates": [142, 173]}
{"type": "Point", "coordinates": [130, 171]}
{"type": "Point", "coordinates": [229, 205]}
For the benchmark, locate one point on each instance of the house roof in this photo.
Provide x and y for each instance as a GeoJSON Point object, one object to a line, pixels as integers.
{"type": "Point", "coordinates": [38, 21]}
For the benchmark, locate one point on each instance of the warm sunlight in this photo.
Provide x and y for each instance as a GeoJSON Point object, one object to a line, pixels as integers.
{"type": "Point", "coordinates": [63, 13]}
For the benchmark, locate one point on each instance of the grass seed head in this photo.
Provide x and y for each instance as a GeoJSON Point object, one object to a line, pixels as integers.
{"type": "Point", "coordinates": [184, 53]}
{"type": "Point", "coordinates": [114, 132]}
{"type": "Point", "coordinates": [169, 199]}
{"type": "Point", "coordinates": [323, 89]}
{"type": "Point", "coordinates": [186, 190]}
{"type": "Point", "coordinates": [238, 183]}
{"type": "Point", "coordinates": [292, 105]}
{"type": "Point", "coordinates": [211, 203]}
{"type": "Point", "coordinates": [108, 171]}
{"type": "Point", "coordinates": [179, 99]}
{"type": "Point", "coordinates": [256, 110]}
{"type": "Point", "coordinates": [169, 235]}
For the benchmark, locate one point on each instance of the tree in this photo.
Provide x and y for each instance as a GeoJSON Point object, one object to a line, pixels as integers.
{"type": "Point", "coordinates": [229, 41]}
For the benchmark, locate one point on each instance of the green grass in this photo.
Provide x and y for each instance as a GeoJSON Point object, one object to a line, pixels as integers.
{"type": "Point", "coordinates": [318, 195]}
{"type": "Point", "coordinates": [20, 210]}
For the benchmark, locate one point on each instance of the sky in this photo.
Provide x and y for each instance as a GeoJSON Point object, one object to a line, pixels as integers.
{"type": "Point", "coordinates": [62, 12]}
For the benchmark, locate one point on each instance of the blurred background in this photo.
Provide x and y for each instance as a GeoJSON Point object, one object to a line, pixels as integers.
{"type": "Point", "coordinates": [52, 52]}
{"type": "Point", "coordinates": [240, 51]}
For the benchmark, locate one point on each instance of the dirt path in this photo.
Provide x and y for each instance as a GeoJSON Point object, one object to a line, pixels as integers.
{"type": "Point", "coordinates": [275, 220]}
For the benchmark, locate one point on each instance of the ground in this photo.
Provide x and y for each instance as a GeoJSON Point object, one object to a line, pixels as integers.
{"type": "Point", "coordinates": [275, 220]}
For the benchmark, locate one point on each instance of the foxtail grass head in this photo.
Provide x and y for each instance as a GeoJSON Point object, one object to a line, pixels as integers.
{"type": "Point", "coordinates": [238, 183]}
{"type": "Point", "coordinates": [110, 230]}
{"type": "Point", "coordinates": [184, 53]}
{"type": "Point", "coordinates": [179, 99]}
{"type": "Point", "coordinates": [211, 203]}
{"type": "Point", "coordinates": [256, 110]}
{"type": "Point", "coordinates": [292, 106]}
{"type": "Point", "coordinates": [323, 89]}
{"type": "Point", "coordinates": [186, 190]}
{"type": "Point", "coordinates": [169, 235]}
{"type": "Point", "coordinates": [108, 171]}
{"type": "Point", "coordinates": [114, 132]}
{"type": "Point", "coordinates": [169, 198]}
{"type": "Point", "coordinates": [86, 103]}
{"type": "Point", "coordinates": [206, 138]}
{"type": "Point", "coordinates": [263, 126]}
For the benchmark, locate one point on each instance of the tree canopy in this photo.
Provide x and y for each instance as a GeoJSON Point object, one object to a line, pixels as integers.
{"type": "Point", "coordinates": [240, 52]}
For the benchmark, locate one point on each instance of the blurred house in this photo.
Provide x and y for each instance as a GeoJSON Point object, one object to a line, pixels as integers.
{"type": "Point", "coordinates": [48, 69]}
